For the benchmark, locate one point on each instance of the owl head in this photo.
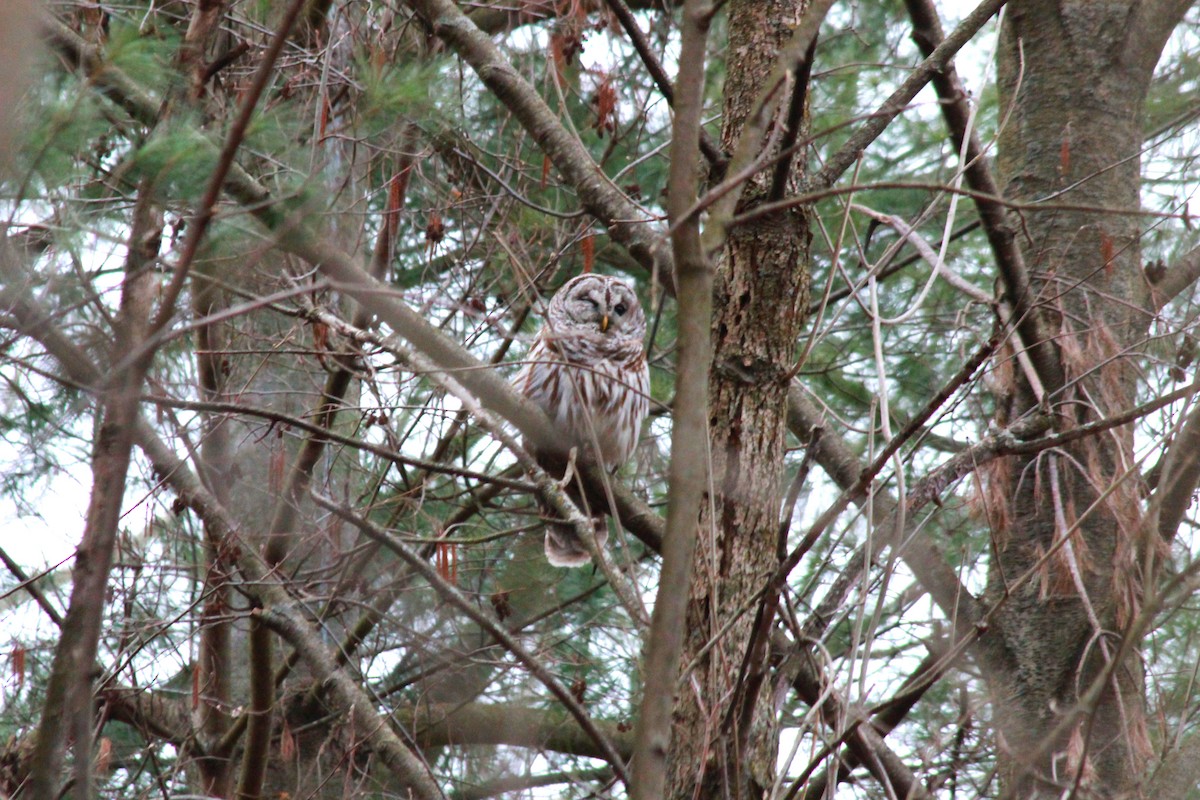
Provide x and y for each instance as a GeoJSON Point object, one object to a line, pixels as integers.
{"type": "Point", "coordinates": [599, 305]}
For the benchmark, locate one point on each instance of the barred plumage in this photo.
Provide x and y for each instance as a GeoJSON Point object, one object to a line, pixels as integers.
{"type": "Point", "coordinates": [588, 372]}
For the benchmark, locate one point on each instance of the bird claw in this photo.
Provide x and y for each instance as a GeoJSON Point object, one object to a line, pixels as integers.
{"type": "Point", "coordinates": [570, 471]}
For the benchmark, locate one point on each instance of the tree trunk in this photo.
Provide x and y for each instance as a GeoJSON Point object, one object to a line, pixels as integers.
{"type": "Point", "coordinates": [760, 297]}
{"type": "Point", "coordinates": [1075, 76]}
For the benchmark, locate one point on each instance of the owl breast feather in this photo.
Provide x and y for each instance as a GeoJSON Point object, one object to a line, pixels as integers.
{"type": "Point", "coordinates": [594, 399]}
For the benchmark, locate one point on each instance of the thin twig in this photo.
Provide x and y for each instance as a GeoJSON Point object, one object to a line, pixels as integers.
{"type": "Point", "coordinates": [453, 596]}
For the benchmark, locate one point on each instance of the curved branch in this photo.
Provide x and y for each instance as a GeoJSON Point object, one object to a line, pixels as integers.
{"type": "Point", "coordinates": [455, 598]}
{"type": "Point", "coordinates": [520, 783]}
{"type": "Point", "coordinates": [1152, 24]}
{"type": "Point", "coordinates": [167, 716]}
{"type": "Point", "coordinates": [927, 32]}
{"type": "Point", "coordinates": [625, 222]}
{"type": "Point", "coordinates": [261, 584]}
{"type": "Point", "coordinates": [1180, 476]}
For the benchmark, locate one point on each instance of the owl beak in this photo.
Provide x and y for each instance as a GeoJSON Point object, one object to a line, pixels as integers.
{"type": "Point", "coordinates": [604, 324]}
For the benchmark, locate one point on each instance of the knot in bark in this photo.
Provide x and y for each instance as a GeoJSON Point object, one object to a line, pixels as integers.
{"type": "Point", "coordinates": [752, 370]}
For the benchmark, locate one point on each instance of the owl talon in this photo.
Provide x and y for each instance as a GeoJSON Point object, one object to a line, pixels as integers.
{"type": "Point", "coordinates": [569, 473]}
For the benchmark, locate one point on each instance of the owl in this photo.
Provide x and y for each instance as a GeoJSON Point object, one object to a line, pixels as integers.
{"type": "Point", "coordinates": [588, 372]}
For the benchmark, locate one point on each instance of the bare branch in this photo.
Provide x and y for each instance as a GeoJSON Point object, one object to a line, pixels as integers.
{"type": "Point", "coordinates": [1179, 478]}
{"type": "Point", "coordinates": [903, 95]}
{"type": "Point", "coordinates": [1179, 774]}
{"type": "Point", "coordinates": [625, 222]}
{"type": "Point", "coordinates": [67, 710]}
{"type": "Point", "coordinates": [710, 149]}
{"type": "Point", "coordinates": [29, 584]}
{"type": "Point", "coordinates": [493, 19]}
{"type": "Point", "coordinates": [688, 472]}
{"type": "Point", "coordinates": [863, 735]}
{"type": "Point", "coordinates": [453, 596]}
{"type": "Point", "coordinates": [519, 783]}
{"type": "Point", "coordinates": [927, 31]}
{"type": "Point", "coordinates": [835, 456]}
{"type": "Point", "coordinates": [1151, 25]}
{"type": "Point", "coordinates": [1177, 279]}
{"type": "Point", "coordinates": [278, 606]}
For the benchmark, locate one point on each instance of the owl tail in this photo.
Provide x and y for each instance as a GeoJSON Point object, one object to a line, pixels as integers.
{"type": "Point", "coordinates": [564, 548]}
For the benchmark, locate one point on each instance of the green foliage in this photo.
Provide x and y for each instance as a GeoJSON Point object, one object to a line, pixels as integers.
{"type": "Point", "coordinates": [399, 91]}
{"type": "Point", "coordinates": [486, 224]}
{"type": "Point", "coordinates": [63, 129]}
{"type": "Point", "coordinates": [178, 160]}
{"type": "Point", "coordinates": [146, 55]}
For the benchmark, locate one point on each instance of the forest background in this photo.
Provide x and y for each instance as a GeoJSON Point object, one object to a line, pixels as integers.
{"type": "Point", "coordinates": [911, 516]}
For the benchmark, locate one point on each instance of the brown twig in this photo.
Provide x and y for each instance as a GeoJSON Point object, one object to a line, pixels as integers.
{"type": "Point", "coordinates": [455, 598]}
{"type": "Point", "coordinates": [711, 151]}
{"type": "Point", "coordinates": [864, 735]}
{"type": "Point", "coordinates": [207, 207]}
{"type": "Point", "coordinates": [793, 122]}
{"type": "Point", "coordinates": [1177, 278]}
{"type": "Point", "coordinates": [927, 31]}
{"type": "Point", "coordinates": [279, 608]}
{"type": "Point", "coordinates": [29, 584]}
{"type": "Point", "coordinates": [624, 221]}
{"type": "Point", "coordinates": [67, 709]}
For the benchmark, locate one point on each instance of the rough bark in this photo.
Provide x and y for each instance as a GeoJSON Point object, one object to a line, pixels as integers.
{"type": "Point", "coordinates": [724, 740]}
{"type": "Point", "coordinates": [1075, 76]}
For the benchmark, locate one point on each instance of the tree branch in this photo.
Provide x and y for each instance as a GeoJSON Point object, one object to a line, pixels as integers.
{"type": "Point", "coordinates": [258, 716]}
{"type": "Point", "coordinates": [1178, 277]}
{"type": "Point", "coordinates": [711, 150]}
{"type": "Point", "coordinates": [927, 32]}
{"type": "Point", "coordinates": [688, 471]}
{"type": "Point", "coordinates": [1179, 773]}
{"type": "Point", "coordinates": [892, 107]}
{"type": "Point", "coordinates": [67, 709]}
{"type": "Point", "coordinates": [260, 584]}
{"type": "Point", "coordinates": [455, 598]}
{"type": "Point", "coordinates": [30, 585]}
{"type": "Point", "coordinates": [500, 17]}
{"type": "Point", "coordinates": [1179, 478]}
{"type": "Point", "coordinates": [931, 570]}
{"type": "Point", "coordinates": [433, 725]}
{"type": "Point", "coordinates": [520, 783]}
{"type": "Point", "coordinates": [864, 735]}
{"type": "Point", "coordinates": [1153, 23]}
{"type": "Point", "coordinates": [625, 222]}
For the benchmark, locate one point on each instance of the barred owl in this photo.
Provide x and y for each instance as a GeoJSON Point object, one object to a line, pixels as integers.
{"type": "Point", "coordinates": [587, 371]}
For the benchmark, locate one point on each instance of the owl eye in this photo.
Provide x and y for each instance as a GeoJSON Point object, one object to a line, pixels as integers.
{"type": "Point", "coordinates": [620, 309]}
